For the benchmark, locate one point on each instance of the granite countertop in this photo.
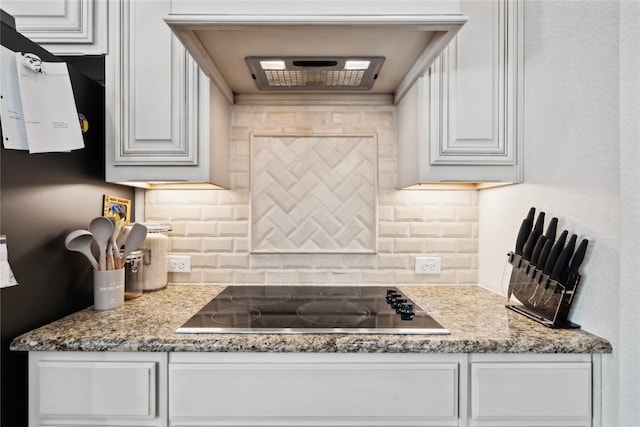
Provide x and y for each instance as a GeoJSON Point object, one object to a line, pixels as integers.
{"type": "Point", "coordinates": [477, 319]}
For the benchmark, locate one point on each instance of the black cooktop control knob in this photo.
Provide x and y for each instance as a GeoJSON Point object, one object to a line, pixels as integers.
{"type": "Point", "coordinates": [406, 311]}
{"type": "Point", "coordinates": [401, 305]}
{"type": "Point", "coordinates": [397, 303]}
{"type": "Point", "coordinates": [391, 296]}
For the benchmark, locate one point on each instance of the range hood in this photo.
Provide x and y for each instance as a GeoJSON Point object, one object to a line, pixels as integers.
{"type": "Point", "coordinates": [233, 50]}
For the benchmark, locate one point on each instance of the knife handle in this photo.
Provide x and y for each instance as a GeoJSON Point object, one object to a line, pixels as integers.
{"type": "Point", "coordinates": [578, 256]}
{"type": "Point", "coordinates": [576, 261]}
{"type": "Point", "coordinates": [523, 234]}
{"type": "Point", "coordinates": [533, 237]}
{"type": "Point", "coordinates": [551, 229]}
{"type": "Point", "coordinates": [562, 263]}
{"type": "Point", "coordinates": [527, 251]}
{"type": "Point", "coordinates": [530, 215]}
{"type": "Point", "coordinates": [539, 226]}
{"type": "Point", "coordinates": [544, 254]}
{"type": "Point", "coordinates": [555, 253]}
{"type": "Point", "coordinates": [537, 249]}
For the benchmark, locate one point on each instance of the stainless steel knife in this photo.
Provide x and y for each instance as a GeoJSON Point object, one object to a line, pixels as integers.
{"type": "Point", "coordinates": [547, 268]}
{"type": "Point", "coordinates": [559, 270]}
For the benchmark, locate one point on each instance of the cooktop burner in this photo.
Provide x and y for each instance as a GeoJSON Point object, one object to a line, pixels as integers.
{"type": "Point", "coordinates": [311, 309]}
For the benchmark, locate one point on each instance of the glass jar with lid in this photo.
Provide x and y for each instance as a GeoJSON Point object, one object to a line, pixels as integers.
{"type": "Point", "coordinates": [133, 275]}
{"type": "Point", "coordinates": [156, 250]}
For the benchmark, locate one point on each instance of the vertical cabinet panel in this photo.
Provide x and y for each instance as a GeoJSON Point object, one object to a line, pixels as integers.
{"type": "Point", "coordinates": [471, 94]}
{"type": "Point", "coordinates": [153, 75]}
{"type": "Point", "coordinates": [469, 69]}
{"type": "Point", "coordinates": [155, 88]}
{"type": "Point", "coordinates": [462, 121]}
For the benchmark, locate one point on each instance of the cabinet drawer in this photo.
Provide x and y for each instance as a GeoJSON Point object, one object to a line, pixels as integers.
{"type": "Point", "coordinates": [289, 392]}
{"type": "Point", "coordinates": [96, 389]}
{"type": "Point", "coordinates": [538, 393]}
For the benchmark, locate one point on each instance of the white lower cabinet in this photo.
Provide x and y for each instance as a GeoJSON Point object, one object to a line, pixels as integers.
{"type": "Point", "coordinates": [97, 389]}
{"type": "Point", "coordinates": [313, 390]}
{"type": "Point", "coordinates": [524, 390]}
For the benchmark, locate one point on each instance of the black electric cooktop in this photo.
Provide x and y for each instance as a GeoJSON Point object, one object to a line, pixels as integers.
{"type": "Point", "coordinates": [311, 309]}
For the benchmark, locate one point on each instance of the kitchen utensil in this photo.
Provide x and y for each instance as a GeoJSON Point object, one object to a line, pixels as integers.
{"type": "Point", "coordinates": [523, 234]}
{"type": "Point", "coordinates": [561, 265]}
{"type": "Point", "coordinates": [80, 241]}
{"type": "Point", "coordinates": [114, 248]}
{"type": "Point", "coordinates": [541, 261]}
{"type": "Point", "coordinates": [558, 271]}
{"type": "Point", "coordinates": [527, 274]}
{"type": "Point", "coordinates": [521, 239]}
{"type": "Point", "coordinates": [111, 261]}
{"type": "Point", "coordinates": [533, 237]}
{"type": "Point", "coordinates": [134, 239]}
{"type": "Point", "coordinates": [555, 252]}
{"type": "Point", "coordinates": [547, 268]}
{"type": "Point", "coordinates": [544, 254]}
{"type": "Point", "coordinates": [531, 215]}
{"type": "Point", "coordinates": [102, 229]}
{"type": "Point", "coordinates": [551, 229]}
{"type": "Point", "coordinates": [537, 249]}
{"type": "Point", "coordinates": [576, 261]}
{"type": "Point", "coordinates": [124, 232]}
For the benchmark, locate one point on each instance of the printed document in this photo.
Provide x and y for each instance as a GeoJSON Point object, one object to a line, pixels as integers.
{"type": "Point", "coordinates": [49, 112]}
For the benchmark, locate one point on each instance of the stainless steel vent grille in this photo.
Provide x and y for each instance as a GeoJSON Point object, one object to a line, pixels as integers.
{"type": "Point", "coordinates": [303, 73]}
{"type": "Point", "coordinates": [314, 78]}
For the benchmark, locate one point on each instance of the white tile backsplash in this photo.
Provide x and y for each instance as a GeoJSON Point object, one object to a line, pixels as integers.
{"type": "Point", "coordinates": [213, 226]}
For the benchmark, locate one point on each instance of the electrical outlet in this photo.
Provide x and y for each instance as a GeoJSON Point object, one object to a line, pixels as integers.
{"type": "Point", "coordinates": [179, 263]}
{"type": "Point", "coordinates": [428, 265]}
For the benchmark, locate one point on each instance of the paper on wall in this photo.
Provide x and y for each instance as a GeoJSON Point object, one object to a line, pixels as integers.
{"type": "Point", "coordinates": [14, 132]}
{"type": "Point", "coordinates": [6, 275]}
{"type": "Point", "coordinates": [48, 111]}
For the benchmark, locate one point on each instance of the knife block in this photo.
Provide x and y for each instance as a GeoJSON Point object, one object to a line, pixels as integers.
{"type": "Point", "coordinates": [543, 299]}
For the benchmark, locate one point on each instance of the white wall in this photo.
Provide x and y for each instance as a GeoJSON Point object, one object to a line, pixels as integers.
{"type": "Point", "coordinates": [581, 151]}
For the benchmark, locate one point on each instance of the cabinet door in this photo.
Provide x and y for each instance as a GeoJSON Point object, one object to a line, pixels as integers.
{"type": "Point", "coordinates": [97, 389]}
{"type": "Point", "coordinates": [463, 120]}
{"type": "Point", "coordinates": [162, 113]}
{"type": "Point", "coordinates": [531, 394]}
{"type": "Point", "coordinates": [155, 85]}
{"type": "Point", "coordinates": [290, 393]}
{"type": "Point", "coordinates": [63, 27]}
{"type": "Point", "coordinates": [473, 89]}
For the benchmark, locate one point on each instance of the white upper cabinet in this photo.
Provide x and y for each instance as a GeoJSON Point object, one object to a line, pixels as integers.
{"type": "Point", "coordinates": [165, 123]}
{"type": "Point", "coordinates": [462, 121]}
{"type": "Point", "coordinates": [63, 27]}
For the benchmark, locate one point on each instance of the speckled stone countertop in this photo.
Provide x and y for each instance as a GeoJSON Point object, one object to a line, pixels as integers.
{"type": "Point", "coordinates": [477, 319]}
